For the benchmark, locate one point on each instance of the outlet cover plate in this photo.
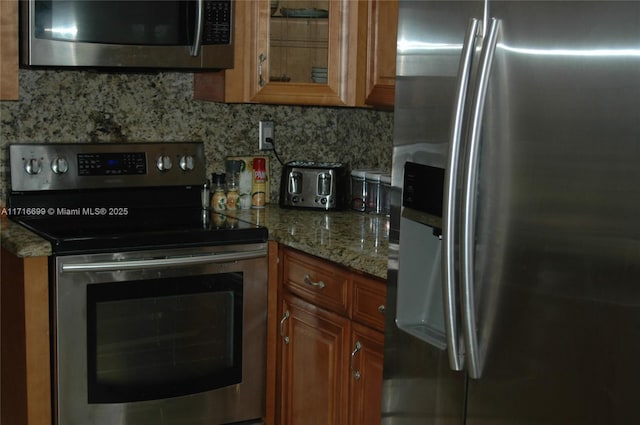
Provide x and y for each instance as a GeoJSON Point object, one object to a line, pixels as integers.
{"type": "Point", "coordinates": [266, 133]}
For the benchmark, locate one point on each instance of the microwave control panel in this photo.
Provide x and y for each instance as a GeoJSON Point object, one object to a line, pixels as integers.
{"type": "Point", "coordinates": [218, 17]}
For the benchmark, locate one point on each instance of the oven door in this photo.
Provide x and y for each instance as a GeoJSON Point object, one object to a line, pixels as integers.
{"type": "Point", "coordinates": [161, 337]}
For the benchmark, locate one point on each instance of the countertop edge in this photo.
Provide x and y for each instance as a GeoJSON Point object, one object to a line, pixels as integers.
{"type": "Point", "coordinates": [354, 240]}
{"type": "Point", "coordinates": [22, 242]}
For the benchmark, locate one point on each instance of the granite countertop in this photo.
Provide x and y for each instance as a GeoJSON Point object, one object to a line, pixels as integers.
{"type": "Point", "coordinates": [22, 242]}
{"type": "Point", "coordinates": [349, 238]}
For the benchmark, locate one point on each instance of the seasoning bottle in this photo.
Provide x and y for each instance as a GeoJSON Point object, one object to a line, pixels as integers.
{"type": "Point", "coordinates": [259, 183]}
{"type": "Point", "coordinates": [219, 198]}
{"type": "Point", "coordinates": [233, 181]}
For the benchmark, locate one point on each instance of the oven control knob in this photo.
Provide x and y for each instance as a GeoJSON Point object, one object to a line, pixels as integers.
{"type": "Point", "coordinates": [59, 165]}
{"type": "Point", "coordinates": [33, 166]}
{"type": "Point", "coordinates": [163, 163]}
{"type": "Point", "coordinates": [187, 163]}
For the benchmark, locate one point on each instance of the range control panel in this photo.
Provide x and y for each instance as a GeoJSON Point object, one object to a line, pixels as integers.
{"type": "Point", "coordinates": [119, 163]}
{"type": "Point", "coordinates": [68, 166]}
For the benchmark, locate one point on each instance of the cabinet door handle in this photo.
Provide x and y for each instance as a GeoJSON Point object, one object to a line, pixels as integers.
{"type": "Point", "coordinates": [284, 318]}
{"type": "Point", "coordinates": [356, 373]}
{"type": "Point", "coordinates": [307, 279]}
{"type": "Point", "coordinates": [381, 309]}
{"type": "Point", "coordinates": [262, 58]}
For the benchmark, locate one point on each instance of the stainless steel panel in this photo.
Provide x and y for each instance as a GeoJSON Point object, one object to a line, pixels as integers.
{"type": "Point", "coordinates": [44, 52]}
{"type": "Point", "coordinates": [242, 402]}
{"type": "Point", "coordinates": [419, 309]}
{"type": "Point", "coordinates": [419, 387]}
{"type": "Point", "coordinates": [46, 156]}
{"type": "Point", "coordinates": [314, 185]}
{"type": "Point", "coordinates": [557, 230]}
{"type": "Point", "coordinates": [430, 39]}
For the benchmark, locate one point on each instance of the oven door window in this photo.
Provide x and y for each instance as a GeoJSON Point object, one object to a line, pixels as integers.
{"type": "Point", "coordinates": [163, 338]}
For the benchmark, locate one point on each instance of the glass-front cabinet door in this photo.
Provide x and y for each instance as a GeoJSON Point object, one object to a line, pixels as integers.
{"type": "Point", "coordinates": [299, 41]}
{"type": "Point", "coordinates": [297, 51]}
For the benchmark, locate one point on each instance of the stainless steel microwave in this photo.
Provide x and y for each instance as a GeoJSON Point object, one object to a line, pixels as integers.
{"type": "Point", "coordinates": [168, 34]}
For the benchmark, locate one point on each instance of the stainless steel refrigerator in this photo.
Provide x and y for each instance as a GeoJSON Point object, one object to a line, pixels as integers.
{"type": "Point", "coordinates": [514, 271]}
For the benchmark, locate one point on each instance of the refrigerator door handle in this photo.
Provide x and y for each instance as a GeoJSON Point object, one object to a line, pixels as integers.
{"type": "Point", "coordinates": [456, 356]}
{"type": "Point", "coordinates": [475, 357]}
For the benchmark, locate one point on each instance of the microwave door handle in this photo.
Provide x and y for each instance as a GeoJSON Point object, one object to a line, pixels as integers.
{"type": "Point", "coordinates": [475, 356]}
{"type": "Point", "coordinates": [456, 356]}
{"type": "Point", "coordinates": [195, 47]}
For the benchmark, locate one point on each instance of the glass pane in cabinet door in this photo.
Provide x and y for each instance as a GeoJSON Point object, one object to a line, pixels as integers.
{"type": "Point", "coordinates": [299, 36]}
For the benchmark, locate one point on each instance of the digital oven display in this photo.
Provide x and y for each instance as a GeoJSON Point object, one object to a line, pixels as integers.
{"type": "Point", "coordinates": [107, 164]}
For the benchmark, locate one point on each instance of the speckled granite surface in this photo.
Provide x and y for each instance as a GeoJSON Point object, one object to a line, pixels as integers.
{"type": "Point", "coordinates": [349, 238]}
{"type": "Point", "coordinates": [87, 106]}
{"type": "Point", "coordinates": [22, 242]}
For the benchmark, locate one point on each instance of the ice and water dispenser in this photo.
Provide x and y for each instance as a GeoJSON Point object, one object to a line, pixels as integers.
{"type": "Point", "coordinates": [419, 309]}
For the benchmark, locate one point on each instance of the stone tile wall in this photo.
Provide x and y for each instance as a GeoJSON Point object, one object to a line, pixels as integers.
{"type": "Point", "coordinates": [87, 106]}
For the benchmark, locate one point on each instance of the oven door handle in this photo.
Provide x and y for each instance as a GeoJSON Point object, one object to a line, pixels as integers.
{"type": "Point", "coordinates": [161, 262]}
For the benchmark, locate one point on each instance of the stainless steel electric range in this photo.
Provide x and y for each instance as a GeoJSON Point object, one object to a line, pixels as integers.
{"type": "Point", "coordinates": [158, 305]}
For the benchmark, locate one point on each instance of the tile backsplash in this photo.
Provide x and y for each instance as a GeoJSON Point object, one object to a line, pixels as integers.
{"type": "Point", "coordinates": [87, 106]}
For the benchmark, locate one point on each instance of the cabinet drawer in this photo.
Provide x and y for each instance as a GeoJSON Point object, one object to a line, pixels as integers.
{"type": "Point", "coordinates": [369, 298]}
{"type": "Point", "coordinates": [316, 281]}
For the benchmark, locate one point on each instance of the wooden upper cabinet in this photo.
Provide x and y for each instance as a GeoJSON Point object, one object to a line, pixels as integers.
{"type": "Point", "coordinates": [8, 49]}
{"type": "Point", "coordinates": [276, 55]}
{"type": "Point", "coordinates": [378, 29]}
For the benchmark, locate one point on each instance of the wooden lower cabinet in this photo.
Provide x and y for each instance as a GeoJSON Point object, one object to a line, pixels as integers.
{"type": "Point", "coordinates": [313, 364]}
{"type": "Point", "coordinates": [25, 384]}
{"type": "Point", "coordinates": [365, 389]}
{"type": "Point", "coordinates": [330, 351]}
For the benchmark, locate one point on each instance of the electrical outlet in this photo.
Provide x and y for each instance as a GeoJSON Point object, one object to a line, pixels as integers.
{"type": "Point", "coordinates": [267, 136]}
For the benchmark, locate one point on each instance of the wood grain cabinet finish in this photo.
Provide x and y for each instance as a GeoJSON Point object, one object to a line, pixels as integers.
{"type": "Point", "coordinates": [378, 29]}
{"type": "Point", "coordinates": [249, 80]}
{"type": "Point", "coordinates": [368, 306]}
{"type": "Point", "coordinates": [314, 281]}
{"type": "Point", "coordinates": [360, 50]}
{"type": "Point", "coordinates": [25, 387]}
{"type": "Point", "coordinates": [313, 391]}
{"type": "Point", "coordinates": [9, 50]}
{"type": "Point", "coordinates": [365, 386]}
{"type": "Point", "coordinates": [331, 344]}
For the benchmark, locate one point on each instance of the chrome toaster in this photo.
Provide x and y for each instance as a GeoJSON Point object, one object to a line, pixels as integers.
{"type": "Point", "coordinates": [318, 185]}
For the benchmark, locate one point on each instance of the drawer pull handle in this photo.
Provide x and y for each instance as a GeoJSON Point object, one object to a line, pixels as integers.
{"type": "Point", "coordinates": [284, 318]}
{"type": "Point", "coordinates": [356, 373]}
{"type": "Point", "coordinates": [381, 308]}
{"type": "Point", "coordinates": [308, 281]}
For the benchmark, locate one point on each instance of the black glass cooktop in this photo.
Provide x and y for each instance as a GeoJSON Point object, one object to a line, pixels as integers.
{"type": "Point", "coordinates": [119, 229]}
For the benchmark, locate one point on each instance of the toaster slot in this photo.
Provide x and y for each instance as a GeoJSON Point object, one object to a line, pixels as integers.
{"type": "Point", "coordinates": [295, 183]}
{"type": "Point", "coordinates": [324, 184]}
